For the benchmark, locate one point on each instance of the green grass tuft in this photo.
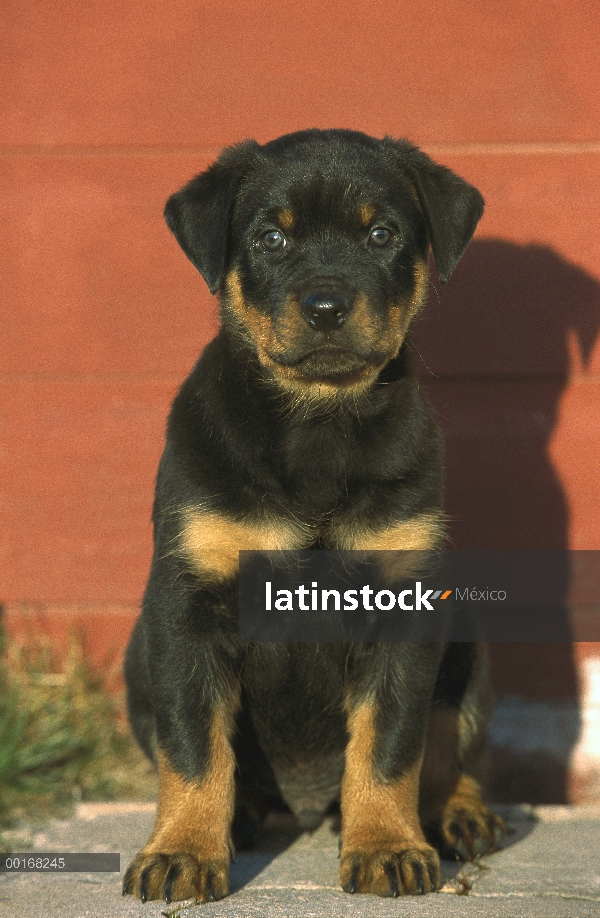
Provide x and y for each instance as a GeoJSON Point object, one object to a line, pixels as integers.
{"type": "Point", "coordinates": [63, 736]}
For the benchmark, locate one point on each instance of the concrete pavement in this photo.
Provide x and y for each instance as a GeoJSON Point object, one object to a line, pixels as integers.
{"type": "Point", "coordinates": [549, 868]}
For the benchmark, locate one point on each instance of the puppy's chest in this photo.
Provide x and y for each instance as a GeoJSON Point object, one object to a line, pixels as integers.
{"type": "Point", "coordinates": [320, 449]}
{"type": "Point", "coordinates": [324, 484]}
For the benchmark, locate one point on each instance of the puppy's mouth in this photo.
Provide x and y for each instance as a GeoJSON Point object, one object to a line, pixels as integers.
{"type": "Point", "coordinates": [336, 365]}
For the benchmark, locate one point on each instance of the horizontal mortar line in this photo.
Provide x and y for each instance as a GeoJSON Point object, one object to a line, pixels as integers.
{"type": "Point", "coordinates": [525, 148]}
{"type": "Point", "coordinates": [43, 379]}
{"type": "Point", "coordinates": [510, 377]}
{"type": "Point", "coordinates": [85, 606]}
{"type": "Point", "coordinates": [108, 150]}
{"type": "Point", "coordinates": [534, 895]}
{"type": "Point", "coordinates": [312, 887]}
{"type": "Point", "coordinates": [82, 607]}
{"type": "Point", "coordinates": [89, 379]}
{"type": "Point", "coordinates": [300, 887]}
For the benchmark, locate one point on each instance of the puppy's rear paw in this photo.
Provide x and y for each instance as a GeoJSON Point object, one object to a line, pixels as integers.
{"type": "Point", "coordinates": [173, 877]}
{"type": "Point", "coordinates": [390, 871]}
{"type": "Point", "coordinates": [469, 828]}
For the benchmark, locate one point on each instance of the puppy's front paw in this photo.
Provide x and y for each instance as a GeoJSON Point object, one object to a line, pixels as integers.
{"type": "Point", "coordinates": [390, 870]}
{"type": "Point", "coordinates": [173, 877]}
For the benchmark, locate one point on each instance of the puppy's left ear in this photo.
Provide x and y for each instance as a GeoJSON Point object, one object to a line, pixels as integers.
{"type": "Point", "coordinates": [452, 209]}
{"type": "Point", "coordinates": [199, 214]}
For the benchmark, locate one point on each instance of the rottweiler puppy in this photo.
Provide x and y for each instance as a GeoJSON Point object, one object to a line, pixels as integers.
{"type": "Point", "coordinates": [302, 426]}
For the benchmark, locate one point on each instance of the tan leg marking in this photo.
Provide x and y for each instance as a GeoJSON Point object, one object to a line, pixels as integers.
{"type": "Point", "coordinates": [188, 853]}
{"type": "Point", "coordinates": [210, 542]}
{"type": "Point", "coordinates": [383, 847]}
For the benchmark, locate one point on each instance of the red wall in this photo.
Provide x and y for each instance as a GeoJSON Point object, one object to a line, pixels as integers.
{"type": "Point", "coordinates": [109, 107]}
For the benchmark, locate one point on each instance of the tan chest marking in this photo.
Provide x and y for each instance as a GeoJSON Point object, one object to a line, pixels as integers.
{"type": "Point", "coordinates": [210, 542]}
{"type": "Point", "coordinates": [419, 533]}
{"type": "Point", "coordinates": [402, 548]}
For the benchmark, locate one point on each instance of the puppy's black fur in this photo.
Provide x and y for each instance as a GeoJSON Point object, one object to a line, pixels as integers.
{"type": "Point", "coordinates": [302, 426]}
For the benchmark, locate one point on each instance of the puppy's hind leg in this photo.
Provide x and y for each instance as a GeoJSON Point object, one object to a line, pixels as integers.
{"type": "Point", "coordinates": [139, 706]}
{"type": "Point", "coordinates": [455, 818]}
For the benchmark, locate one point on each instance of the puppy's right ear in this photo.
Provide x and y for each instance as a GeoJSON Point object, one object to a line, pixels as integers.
{"type": "Point", "coordinates": [198, 215]}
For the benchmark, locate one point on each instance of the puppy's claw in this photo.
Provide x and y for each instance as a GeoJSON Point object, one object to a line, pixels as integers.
{"type": "Point", "coordinates": [172, 874]}
{"type": "Point", "coordinates": [390, 871]}
{"type": "Point", "coordinates": [353, 882]}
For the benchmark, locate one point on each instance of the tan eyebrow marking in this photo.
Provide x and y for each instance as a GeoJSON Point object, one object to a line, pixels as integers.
{"type": "Point", "coordinates": [366, 212]}
{"type": "Point", "coordinates": [286, 218]}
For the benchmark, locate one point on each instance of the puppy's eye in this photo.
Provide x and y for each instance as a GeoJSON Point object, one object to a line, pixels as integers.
{"type": "Point", "coordinates": [273, 241]}
{"type": "Point", "coordinates": [380, 237]}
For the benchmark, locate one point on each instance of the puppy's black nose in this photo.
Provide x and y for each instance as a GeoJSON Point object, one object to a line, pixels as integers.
{"type": "Point", "coordinates": [325, 311]}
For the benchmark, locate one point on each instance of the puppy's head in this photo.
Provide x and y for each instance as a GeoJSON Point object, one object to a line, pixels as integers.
{"type": "Point", "coordinates": [317, 243]}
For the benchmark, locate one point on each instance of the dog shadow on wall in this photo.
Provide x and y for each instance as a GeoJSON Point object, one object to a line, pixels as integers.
{"type": "Point", "coordinates": [493, 352]}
